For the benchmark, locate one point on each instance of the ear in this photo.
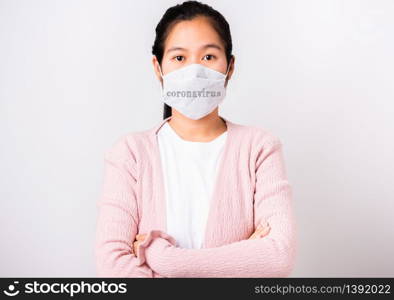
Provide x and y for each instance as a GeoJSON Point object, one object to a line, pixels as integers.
{"type": "Point", "coordinates": [231, 69]}
{"type": "Point", "coordinates": [156, 68]}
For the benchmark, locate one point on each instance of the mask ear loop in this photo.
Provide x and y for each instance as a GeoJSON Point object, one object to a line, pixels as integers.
{"type": "Point", "coordinates": [162, 80]}
{"type": "Point", "coordinates": [161, 73]}
{"type": "Point", "coordinates": [228, 67]}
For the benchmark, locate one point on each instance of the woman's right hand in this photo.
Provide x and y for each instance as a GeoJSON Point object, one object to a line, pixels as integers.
{"type": "Point", "coordinates": [261, 231]}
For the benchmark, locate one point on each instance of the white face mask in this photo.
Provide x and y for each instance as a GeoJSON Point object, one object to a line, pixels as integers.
{"type": "Point", "coordinates": [194, 90]}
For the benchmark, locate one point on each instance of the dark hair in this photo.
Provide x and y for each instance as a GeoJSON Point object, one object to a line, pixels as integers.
{"type": "Point", "coordinates": [188, 10]}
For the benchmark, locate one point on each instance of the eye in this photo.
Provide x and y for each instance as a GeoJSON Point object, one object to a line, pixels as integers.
{"type": "Point", "coordinates": [209, 57]}
{"type": "Point", "coordinates": [179, 58]}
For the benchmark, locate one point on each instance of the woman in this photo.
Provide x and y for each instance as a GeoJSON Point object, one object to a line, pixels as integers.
{"type": "Point", "coordinates": [196, 195]}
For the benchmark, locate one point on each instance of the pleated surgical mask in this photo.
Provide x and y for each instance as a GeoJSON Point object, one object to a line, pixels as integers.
{"type": "Point", "coordinates": [194, 90]}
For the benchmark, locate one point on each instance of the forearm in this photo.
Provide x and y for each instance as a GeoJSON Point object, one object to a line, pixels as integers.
{"type": "Point", "coordinates": [113, 252]}
{"type": "Point", "coordinates": [112, 262]}
{"type": "Point", "coordinates": [117, 222]}
{"type": "Point", "coordinates": [270, 256]}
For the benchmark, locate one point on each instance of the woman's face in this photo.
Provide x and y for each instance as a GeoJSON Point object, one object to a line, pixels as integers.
{"type": "Point", "coordinates": [193, 42]}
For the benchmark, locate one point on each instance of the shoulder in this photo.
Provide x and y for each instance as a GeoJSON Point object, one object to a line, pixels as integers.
{"type": "Point", "coordinates": [255, 135]}
{"type": "Point", "coordinates": [128, 146]}
{"type": "Point", "coordinates": [258, 143]}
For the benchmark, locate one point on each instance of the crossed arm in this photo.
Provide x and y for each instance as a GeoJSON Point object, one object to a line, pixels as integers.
{"type": "Point", "coordinates": [271, 256]}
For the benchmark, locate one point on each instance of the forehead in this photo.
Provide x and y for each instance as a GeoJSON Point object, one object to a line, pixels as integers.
{"type": "Point", "coordinates": [192, 34]}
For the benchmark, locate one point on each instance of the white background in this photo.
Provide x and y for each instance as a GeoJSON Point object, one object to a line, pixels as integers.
{"type": "Point", "coordinates": [76, 75]}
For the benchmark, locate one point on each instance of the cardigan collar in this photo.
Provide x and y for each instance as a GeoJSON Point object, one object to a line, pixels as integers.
{"type": "Point", "coordinates": [156, 128]}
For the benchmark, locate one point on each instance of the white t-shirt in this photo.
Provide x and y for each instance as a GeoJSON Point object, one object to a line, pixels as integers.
{"type": "Point", "coordinates": [189, 171]}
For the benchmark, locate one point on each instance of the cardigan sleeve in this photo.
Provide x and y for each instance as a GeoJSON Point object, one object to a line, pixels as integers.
{"type": "Point", "coordinates": [270, 256]}
{"type": "Point", "coordinates": [117, 220]}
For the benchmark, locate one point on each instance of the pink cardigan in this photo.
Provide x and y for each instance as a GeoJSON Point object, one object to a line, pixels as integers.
{"type": "Point", "coordinates": [251, 187]}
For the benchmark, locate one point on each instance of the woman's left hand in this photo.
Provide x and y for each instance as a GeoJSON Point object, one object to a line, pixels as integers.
{"type": "Point", "coordinates": [261, 231]}
{"type": "Point", "coordinates": [139, 239]}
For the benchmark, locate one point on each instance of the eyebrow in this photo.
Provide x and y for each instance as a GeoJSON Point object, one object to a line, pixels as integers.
{"type": "Point", "coordinates": [203, 47]}
{"type": "Point", "coordinates": [212, 46]}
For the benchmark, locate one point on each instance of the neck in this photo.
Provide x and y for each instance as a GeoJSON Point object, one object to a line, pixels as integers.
{"type": "Point", "coordinates": [202, 130]}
